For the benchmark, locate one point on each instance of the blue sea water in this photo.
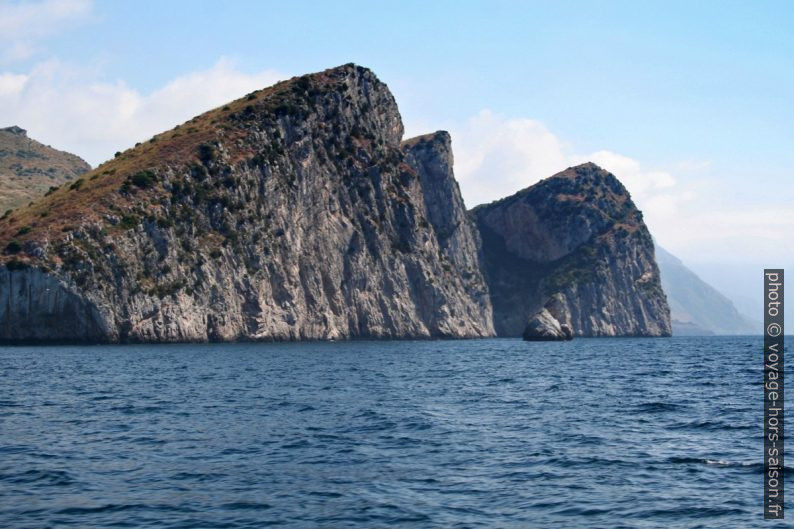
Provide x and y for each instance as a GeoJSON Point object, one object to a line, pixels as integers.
{"type": "Point", "coordinates": [479, 433]}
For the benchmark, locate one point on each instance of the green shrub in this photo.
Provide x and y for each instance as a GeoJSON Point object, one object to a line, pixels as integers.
{"type": "Point", "coordinates": [15, 264]}
{"type": "Point", "coordinates": [24, 229]}
{"type": "Point", "coordinates": [143, 179]}
{"type": "Point", "coordinates": [129, 221]}
{"type": "Point", "coordinates": [77, 184]}
{"type": "Point", "coordinates": [13, 247]}
{"type": "Point", "coordinates": [206, 152]}
{"type": "Point", "coordinates": [303, 84]}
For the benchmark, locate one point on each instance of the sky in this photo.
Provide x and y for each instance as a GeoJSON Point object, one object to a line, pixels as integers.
{"type": "Point", "coordinates": [688, 103]}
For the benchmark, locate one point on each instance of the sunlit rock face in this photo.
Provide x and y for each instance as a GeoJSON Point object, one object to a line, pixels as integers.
{"type": "Point", "coordinates": [294, 213]}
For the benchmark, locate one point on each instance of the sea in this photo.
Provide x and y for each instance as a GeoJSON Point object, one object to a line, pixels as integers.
{"type": "Point", "coordinates": [493, 433]}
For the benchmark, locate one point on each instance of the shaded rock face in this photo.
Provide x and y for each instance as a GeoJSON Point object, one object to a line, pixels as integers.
{"type": "Point", "coordinates": [293, 213]}
{"type": "Point", "coordinates": [35, 306]}
{"type": "Point", "coordinates": [29, 169]}
{"type": "Point", "coordinates": [542, 326]}
{"type": "Point", "coordinates": [571, 250]}
{"type": "Point", "coordinates": [455, 231]}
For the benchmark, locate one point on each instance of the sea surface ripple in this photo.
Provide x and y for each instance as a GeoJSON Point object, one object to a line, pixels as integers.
{"type": "Point", "coordinates": [495, 433]}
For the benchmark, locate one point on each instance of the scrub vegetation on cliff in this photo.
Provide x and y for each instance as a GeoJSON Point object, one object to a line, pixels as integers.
{"type": "Point", "coordinates": [298, 212]}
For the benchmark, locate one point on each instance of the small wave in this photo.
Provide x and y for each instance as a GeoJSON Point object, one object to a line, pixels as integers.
{"type": "Point", "coordinates": [14, 449]}
{"type": "Point", "coordinates": [130, 409]}
{"type": "Point", "coordinates": [691, 512]}
{"type": "Point", "coordinates": [197, 476]}
{"type": "Point", "coordinates": [297, 444]}
{"type": "Point", "coordinates": [658, 407]}
{"type": "Point", "coordinates": [246, 505]}
{"type": "Point", "coordinates": [325, 494]}
{"type": "Point", "coordinates": [582, 511]}
{"type": "Point", "coordinates": [111, 507]}
{"type": "Point", "coordinates": [47, 477]}
{"type": "Point", "coordinates": [710, 425]}
{"type": "Point", "coordinates": [753, 466]}
{"type": "Point", "coordinates": [417, 425]}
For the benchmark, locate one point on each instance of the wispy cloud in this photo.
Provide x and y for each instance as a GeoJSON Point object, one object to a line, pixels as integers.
{"type": "Point", "coordinates": [67, 106]}
{"type": "Point", "coordinates": [495, 156]}
{"type": "Point", "coordinates": [24, 24]}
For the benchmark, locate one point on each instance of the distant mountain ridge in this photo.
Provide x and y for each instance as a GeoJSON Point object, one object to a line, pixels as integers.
{"type": "Point", "coordinates": [696, 307]}
{"type": "Point", "coordinates": [28, 169]}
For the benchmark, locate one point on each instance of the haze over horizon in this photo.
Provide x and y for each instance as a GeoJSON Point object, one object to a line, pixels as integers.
{"type": "Point", "coordinates": [687, 105]}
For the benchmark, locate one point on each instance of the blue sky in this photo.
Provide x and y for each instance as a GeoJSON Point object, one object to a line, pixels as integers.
{"type": "Point", "coordinates": [690, 104]}
{"type": "Point", "coordinates": [663, 81]}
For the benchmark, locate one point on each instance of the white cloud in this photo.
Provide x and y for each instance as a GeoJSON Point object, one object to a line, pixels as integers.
{"type": "Point", "coordinates": [67, 106]}
{"type": "Point", "coordinates": [11, 83]}
{"type": "Point", "coordinates": [23, 24]}
{"type": "Point", "coordinates": [495, 156]}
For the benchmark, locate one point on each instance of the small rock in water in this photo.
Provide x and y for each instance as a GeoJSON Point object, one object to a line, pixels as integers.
{"type": "Point", "coordinates": [543, 326]}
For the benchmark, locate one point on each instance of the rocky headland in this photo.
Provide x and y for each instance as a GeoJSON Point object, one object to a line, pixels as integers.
{"type": "Point", "coordinates": [300, 212]}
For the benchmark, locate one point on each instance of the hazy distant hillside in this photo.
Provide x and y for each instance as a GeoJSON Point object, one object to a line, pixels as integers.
{"type": "Point", "coordinates": [697, 307]}
{"type": "Point", "coordinates": [28, 168]}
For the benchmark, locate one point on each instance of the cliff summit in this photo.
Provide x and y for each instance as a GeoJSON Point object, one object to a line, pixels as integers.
{"type": "Point", "coordinates": [299, 212]}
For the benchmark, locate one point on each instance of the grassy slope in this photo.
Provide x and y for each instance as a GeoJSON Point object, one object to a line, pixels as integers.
{"type": "Point", "coordinates": [96, 193]}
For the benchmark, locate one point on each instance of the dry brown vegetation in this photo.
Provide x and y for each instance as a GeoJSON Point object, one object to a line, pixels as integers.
{"type": "Point", "coordinates": [97, 193]}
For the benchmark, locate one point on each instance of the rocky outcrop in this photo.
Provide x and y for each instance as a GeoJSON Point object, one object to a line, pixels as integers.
{"type": "Point", "coordinates": [29, 169]}
{"type": "Point", "coordinates": [293, 213]}
{"type": "Point", "coordinates": [543, 326]}
{"type": "Point", "coordinates": [297, 212]}
{"type": "Point", "coordinates": [571, 251]}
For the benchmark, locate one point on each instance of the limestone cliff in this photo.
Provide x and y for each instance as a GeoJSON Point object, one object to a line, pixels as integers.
{"type": "Point", "coordinates": [571, 251]}
{"type": "Point", "coordinates": [293, 213]}
{"type": "Point", "coordinates": [298, 212]}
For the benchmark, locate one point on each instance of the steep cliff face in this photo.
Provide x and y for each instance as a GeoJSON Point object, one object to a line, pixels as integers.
{"type": "Point", "coordinates": [573, 247]}
{"type": "Point", "coordinates": [28, 169]}
{"type": "Point", "coordinates": [455, 231]}
{"type": "Point", "coordinates": [293, 213]}
{"type": "Point", "coordinates": [298, 212]}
